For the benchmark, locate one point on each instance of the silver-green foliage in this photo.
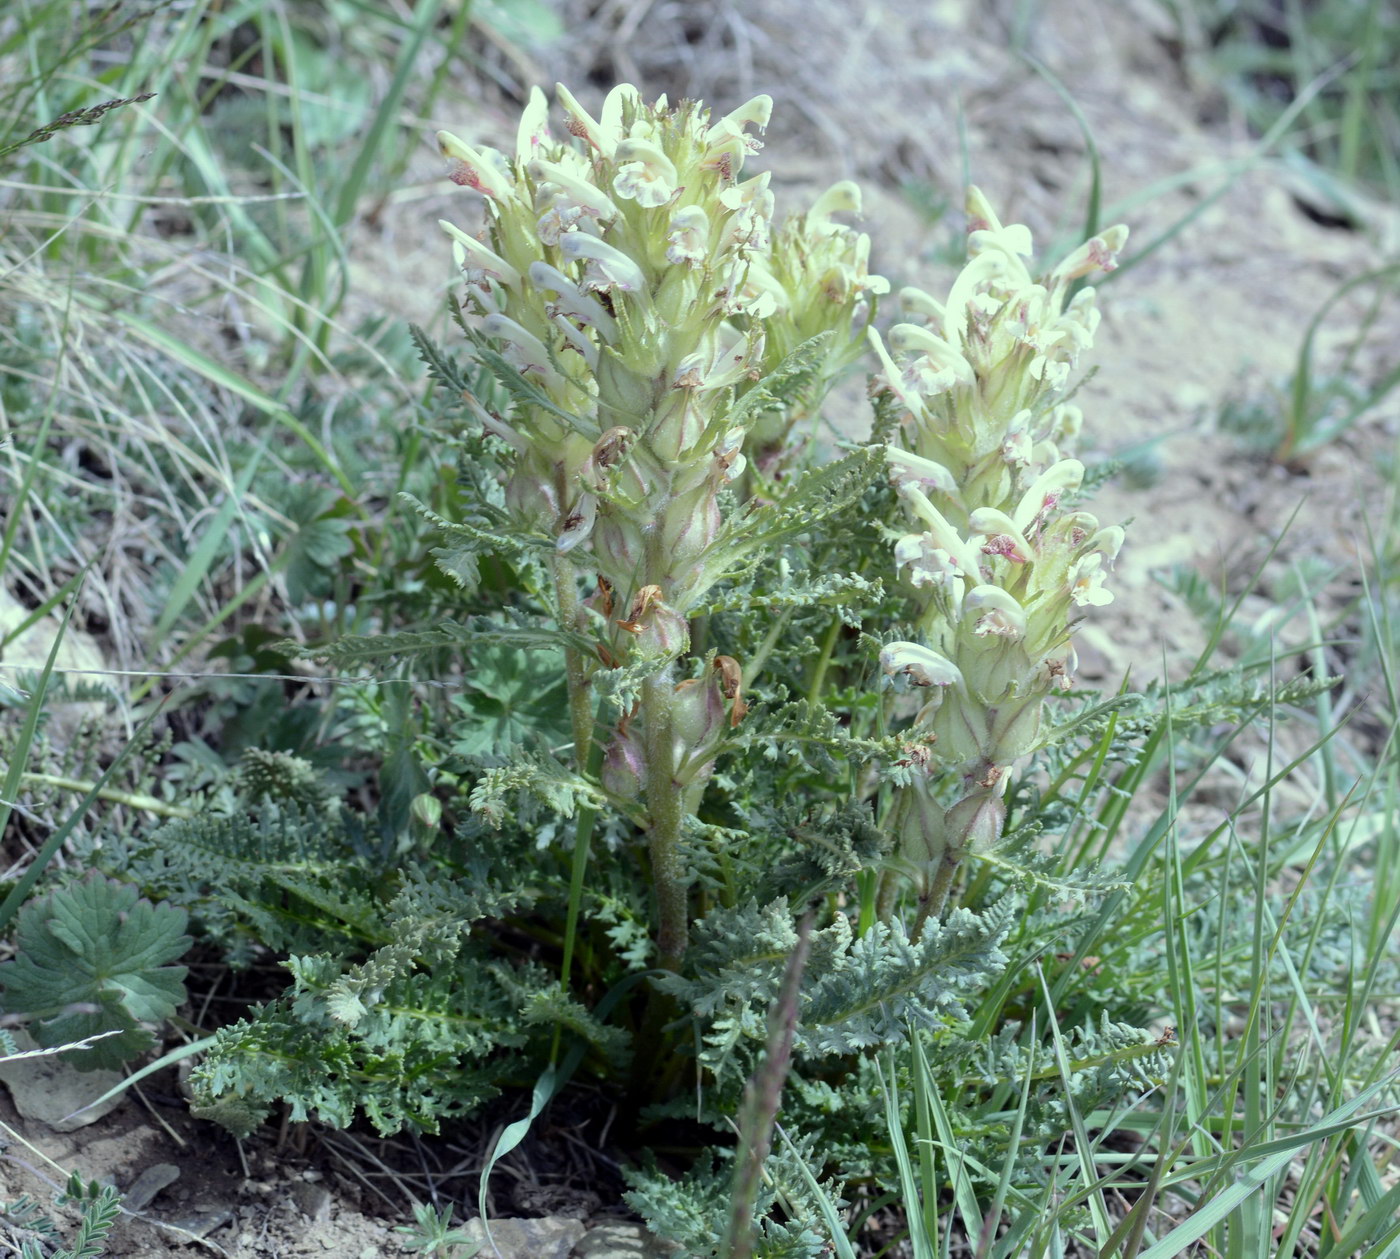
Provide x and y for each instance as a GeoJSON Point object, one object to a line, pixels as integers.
{"type": "Point", "coordinates": [859, 993]}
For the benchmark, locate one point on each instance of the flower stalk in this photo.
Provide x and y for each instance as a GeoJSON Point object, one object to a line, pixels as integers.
{"type": "Point", "coordinates": [998, 561]}
{"type": "Point", "coordinates": [629, 290]}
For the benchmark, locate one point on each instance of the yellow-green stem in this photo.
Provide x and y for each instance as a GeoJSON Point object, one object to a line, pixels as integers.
{"type": "Point", "coordinates": [818, 682]}
{"type": "Point", "coordinates": [889, 879]}
{"type": "Point", "coordinates": [132, 799]}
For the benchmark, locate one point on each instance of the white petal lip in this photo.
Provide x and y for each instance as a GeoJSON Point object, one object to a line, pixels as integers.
{"type": "Point", "coordinates": [908, 468]}
{"type": "Point", "coordinates": [498, 325]}
{"type": "Point", "coordinates": [895, 380]}
{"type": "Point", "coordinates": [648, 155]}
{"type": "Point", "coordinates": [581, 118]}
{"type": "Point", "coordinates": [487, 178]}
{"type": "Point", "coordinates": [914, 338]}
{"type": "Point", "coordinates": [1065, 476]}
{"type": "Point", "coordinates": [584, 193]}
{"type": "Point", "coordinates": [962, 551]}
{"type": "Point", "coordinates": [922, 666]}
{"type": "Point", "coordinates": [582, 307]}
{"type": "Point", "coordinates": [534, 126]}
{"type": "Point", "coordinates": [756, 111]}
{"type": "Point", "coordinates": [484, 257]}
{"type": "Point", "coordinates": [1004, 606]}
{"type": "Point", "coordinates": [997, 524]}
{"type": "Point", "coordinates": [616, 265]}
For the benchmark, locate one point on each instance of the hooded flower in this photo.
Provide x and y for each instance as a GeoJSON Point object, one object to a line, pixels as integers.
{"type": "Point", "coordinates": [1000, 561]}
{"type": "Point", "coordinates": [632, 277]}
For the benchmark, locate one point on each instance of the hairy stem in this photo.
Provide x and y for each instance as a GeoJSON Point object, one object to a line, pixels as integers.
{"type": "Point", "coordinates": [933, 902]}
{"type": "Point", "coordinates": [575, 671]}
{"type": "Point", "coordinates": [666, 807]}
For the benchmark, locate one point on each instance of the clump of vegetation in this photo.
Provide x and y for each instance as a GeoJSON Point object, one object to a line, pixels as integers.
{"type": "Point", "coordinates": [662, 748]}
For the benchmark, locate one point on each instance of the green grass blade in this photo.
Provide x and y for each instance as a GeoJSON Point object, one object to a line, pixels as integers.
{"type": "Point", "coordinates": [55, 841]}
{"type": "Point", "coordinates": [207, 548]}
{"type": "Point", "coordinates": [921, 1243]}
{"type": "Point", "coordinates": [225, 378]}
{"type": "Point", "coordinates": [1236, 172]}
{"type": "Point", "coordinates": [1280, 1154]}
{"type": "Point", "coordinates": [835, 1228]}
{"type": "Point", "coordinates": [25, 740]}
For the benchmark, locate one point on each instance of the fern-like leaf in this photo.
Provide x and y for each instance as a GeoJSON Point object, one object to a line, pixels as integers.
{"type": "Point", "coordinates": [886, 981]}
{"type": "Point", "coordinates": [816, 497]}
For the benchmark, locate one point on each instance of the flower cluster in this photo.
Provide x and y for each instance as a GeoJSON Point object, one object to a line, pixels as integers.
{"type": "Point", "coordinates": [632, 277]}
{"type": "Point", "coordinates": [1000, 560]}
{"type": "Point", "coordinates": [817, 272]}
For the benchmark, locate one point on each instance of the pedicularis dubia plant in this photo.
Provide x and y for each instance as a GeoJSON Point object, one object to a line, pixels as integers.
{"type": "Point", "coordinates": [706, 682]}
{"type": "Point", "coordinates": [999, 562]}
{"type": "Point", "coordinates": [633, 295]}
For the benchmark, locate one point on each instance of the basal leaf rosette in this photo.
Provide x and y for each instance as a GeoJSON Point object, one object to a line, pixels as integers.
{"type": "Point", "coordinates": [1001, 560]}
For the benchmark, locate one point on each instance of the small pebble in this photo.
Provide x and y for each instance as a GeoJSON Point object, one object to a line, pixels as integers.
{"type": "Point", "coordinates": [149, 1183]}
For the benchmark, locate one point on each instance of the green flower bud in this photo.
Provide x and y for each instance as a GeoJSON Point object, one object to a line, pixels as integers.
{"type": "Point", "coordinates": [688, 526]}
{"type": "Point", "coordinates": [961, 726]}
{"type": "Point", "coordinates": [699, 721]}
{"type": "Point", "coordinates": [702, 710]}
{"type": "Point", "coordinates": [617, 544]}
{"type": "Point", "coordinates": [624, 768]}
{"type": "Point", "coordinates": [923, 837]}
{"type": "Point", "coordinates": [1015, 728]}
{"type": "Point", "coordinates": [531, 496]}
{"type": "Point", "coordinates": [656, 629]}
{"type": "Point", "coordinates": [426, 811]}
{"type": "Point", "coordinates": [625, 399]}
{"type": "Point", "coordinates": [975, 823]}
